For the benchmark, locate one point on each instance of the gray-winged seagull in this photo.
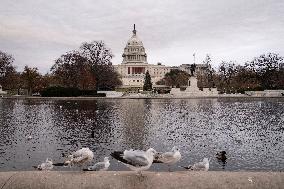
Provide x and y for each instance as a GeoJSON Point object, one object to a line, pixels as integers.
{"type": "Point", "coordinates": [100, 166]}
{"type": "Point", "coordinates": [136, 160]}
{"type": "Point", "coordinates": [168, 158]}
{"type": "Point", "coordinates": [80, 158]}
{"type": "Point", "coordinates": [45, 166]}
{"type": "Point", "coordinates": [200, 166]}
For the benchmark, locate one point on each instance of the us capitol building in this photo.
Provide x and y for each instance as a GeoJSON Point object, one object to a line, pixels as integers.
{"type": "Point", "coordinates": [134, 65]}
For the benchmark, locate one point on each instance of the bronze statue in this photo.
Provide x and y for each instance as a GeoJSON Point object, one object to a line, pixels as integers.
{"type": "Point", "coordinates": [192, 69]}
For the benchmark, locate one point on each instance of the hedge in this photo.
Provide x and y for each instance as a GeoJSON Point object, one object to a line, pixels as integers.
{"type": "Point", "coordinates": [57, 91]}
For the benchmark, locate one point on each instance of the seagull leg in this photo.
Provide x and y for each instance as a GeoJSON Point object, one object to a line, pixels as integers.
{"type": "Point", "coordinates": [139, 174]}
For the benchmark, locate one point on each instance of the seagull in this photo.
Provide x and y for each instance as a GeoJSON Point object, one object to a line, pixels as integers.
{"type": "Point", "coordinates": [168, 158]}
{"type": "Point", "coordinates": [136, 160]}
{"type": "Point", "coordinates": [100, 166]}
{"type": "Point", "coordinates": [29, 137]}
{"type": "Point", "coordinates": [200, 166]}
{"type": "Point", "coordinates": [80, 157]}
{"type": "Point", "coordinates": [45, 166]}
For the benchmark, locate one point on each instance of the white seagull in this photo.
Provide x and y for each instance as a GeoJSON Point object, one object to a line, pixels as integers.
{"type": "Point", "coordinates": [136, 160]}
{"type": "Point", "coordinates": [200, 166]}
{"type": "Point", "coordinates": [45, 166]}
{"type": "Point", "coordinates": [80, 157]}
{"type": "Point", "coordinates": [168, 158]}
{"type": "Point", "coordinates": [100, 166]}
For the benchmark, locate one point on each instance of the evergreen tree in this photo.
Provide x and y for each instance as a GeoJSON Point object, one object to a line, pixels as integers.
{"type": "Point", "coordinates": [147, 82]}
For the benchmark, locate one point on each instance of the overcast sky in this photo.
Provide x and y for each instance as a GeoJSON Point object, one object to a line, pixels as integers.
{"type": "Point", "coordinates": [36, 32]}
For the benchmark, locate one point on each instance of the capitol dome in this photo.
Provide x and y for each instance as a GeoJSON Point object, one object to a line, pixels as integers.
{"type": "Point", "coordinates": [134, 40]}
{"type": "Point", "coordinates": [134, 52]}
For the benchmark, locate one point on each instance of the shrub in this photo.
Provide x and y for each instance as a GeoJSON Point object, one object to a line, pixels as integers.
{"type": "Point", "coordinates": [57, 91]}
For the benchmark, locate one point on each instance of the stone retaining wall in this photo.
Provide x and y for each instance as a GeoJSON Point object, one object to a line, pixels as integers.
{"type": "Point", "coordinates": [129, 180]}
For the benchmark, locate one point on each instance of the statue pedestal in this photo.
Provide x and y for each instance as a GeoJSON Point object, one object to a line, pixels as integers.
{"type": "Point", "coordinates": [193, 91]}
{"type": "Point", "coordinates": [193, 85]}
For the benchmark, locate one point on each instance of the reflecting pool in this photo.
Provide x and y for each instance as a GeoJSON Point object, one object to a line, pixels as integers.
{"type": "Point", "coordinates": [251, 131]}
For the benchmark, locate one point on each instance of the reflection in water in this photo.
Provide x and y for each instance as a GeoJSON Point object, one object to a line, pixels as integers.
{"type": "Point", "coordinates": [250, 131]}
{"type": "Point", "coordinates": [132, 117]}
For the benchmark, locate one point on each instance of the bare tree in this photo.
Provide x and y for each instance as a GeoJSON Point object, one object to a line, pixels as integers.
{"type": "Point", "coordinates": [269, 70]}
{"type": "Point", "coordinates": [73, 70]}
{"type": "Point", "coordinates": [7, 70]}
{"type": "Point", "coordinates": [99, 58]}
{"type": "Point", "coordinates": [226, 73]}
{"type": "Point", "coordinates": [88, 69]}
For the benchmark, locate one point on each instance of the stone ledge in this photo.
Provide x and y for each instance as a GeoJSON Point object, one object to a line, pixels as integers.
{"type": "Point", "coordinates": [143, 97]}
{"type": "Point", "coordinates": [127, 179]}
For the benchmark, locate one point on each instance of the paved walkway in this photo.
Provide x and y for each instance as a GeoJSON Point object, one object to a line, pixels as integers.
{"type": "Point", "coordinates": [129, 180]}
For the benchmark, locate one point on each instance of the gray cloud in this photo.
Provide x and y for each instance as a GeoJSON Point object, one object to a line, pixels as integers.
{"type": "Point", "coordinates": [38, 32]}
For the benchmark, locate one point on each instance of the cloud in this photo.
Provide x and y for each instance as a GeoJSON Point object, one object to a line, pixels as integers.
{"type": "Point", "coordinates": [38, 32]}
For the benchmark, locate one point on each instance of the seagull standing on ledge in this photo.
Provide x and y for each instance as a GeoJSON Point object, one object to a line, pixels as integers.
{"type": "Point", "coordinates": [100, 166]}
{"type": "Point", "coordinates": [168, 158]}
{"type": "Point", "coordinates": [80, 157]}
{"type": "Point", "coordinates": [200, 166]}
{"type": "Point", "coordinates": [47, 165]}
{"type": "Point", "coordinates": [136, 160]}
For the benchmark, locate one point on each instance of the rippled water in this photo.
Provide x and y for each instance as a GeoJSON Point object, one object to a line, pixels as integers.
{"type": "Point", "coordinates": [251, 131]}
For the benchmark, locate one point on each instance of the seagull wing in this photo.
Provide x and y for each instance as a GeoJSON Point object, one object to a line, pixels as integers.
{"type": "Point", "coordinates": [135, 158]}
{"type": "Point", "coordinates": [81, 159]}
{"type": "Point", "coordinates": [164, 158]}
